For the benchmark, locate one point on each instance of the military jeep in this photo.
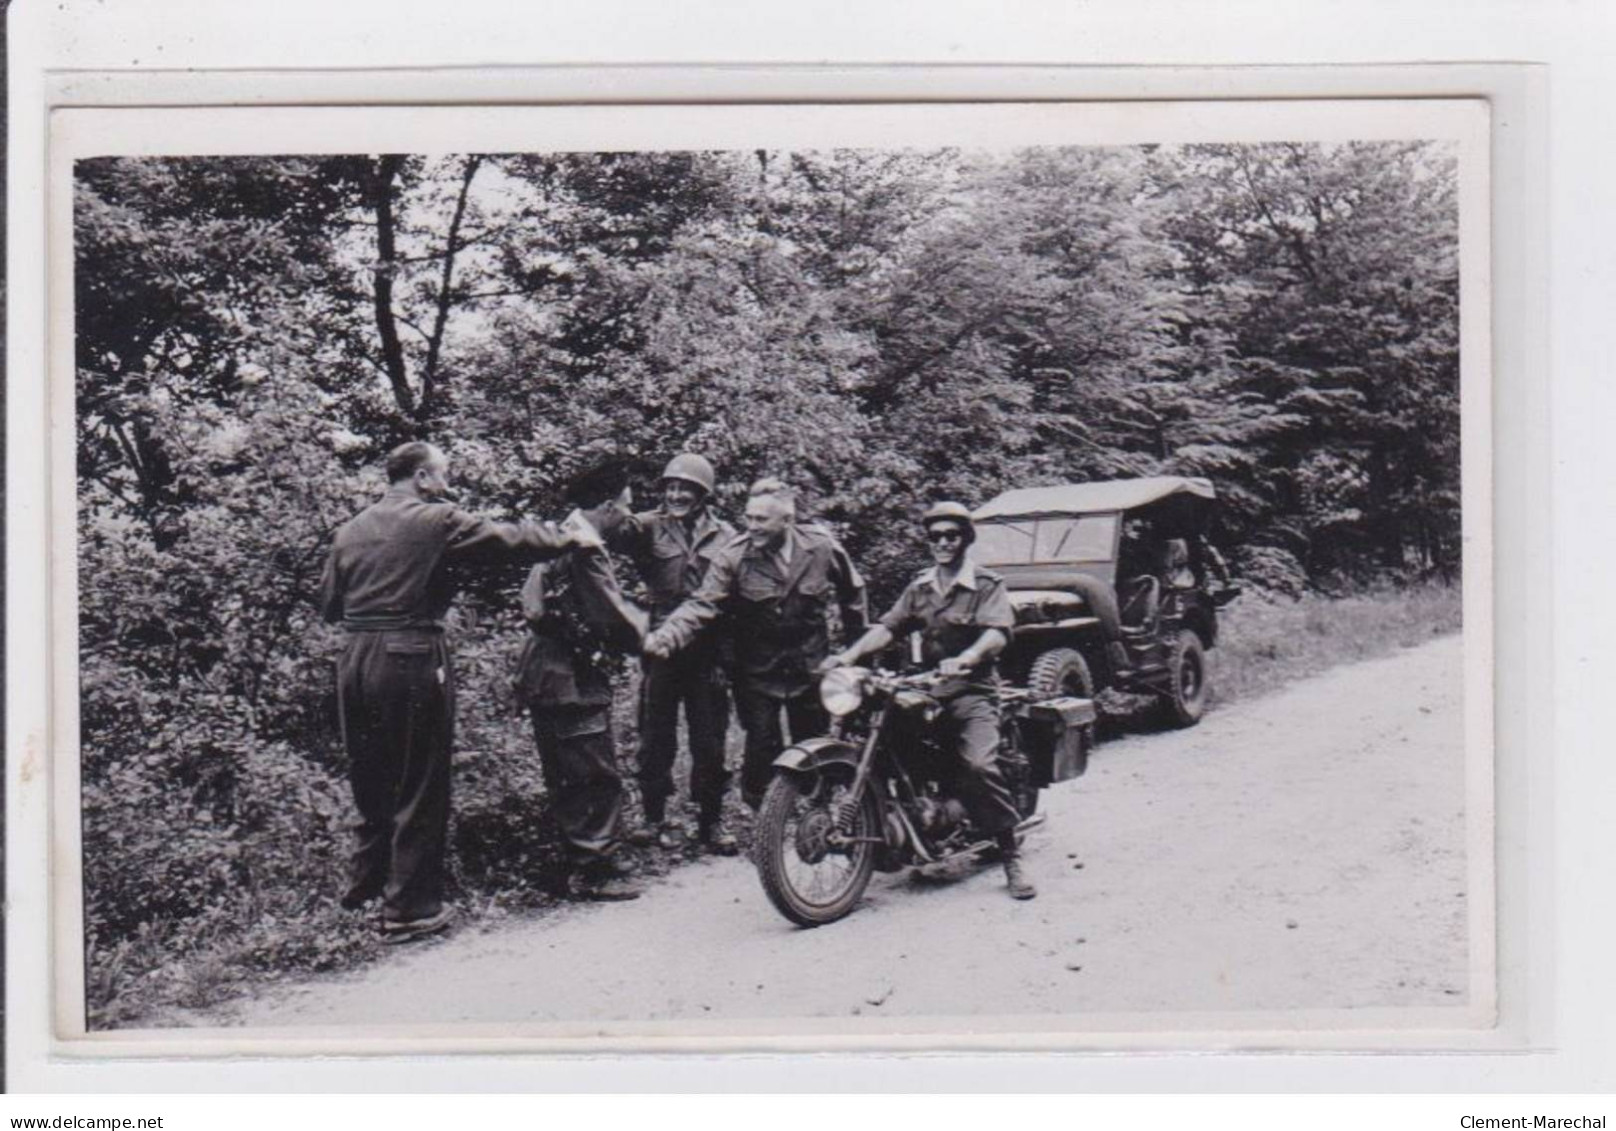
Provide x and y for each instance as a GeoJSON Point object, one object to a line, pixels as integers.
{"type": "Point", "coordinates": [1114, 585]}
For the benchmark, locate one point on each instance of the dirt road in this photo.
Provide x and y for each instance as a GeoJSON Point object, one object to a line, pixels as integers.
{"type": "Point", "coordinates": [1305, 850]}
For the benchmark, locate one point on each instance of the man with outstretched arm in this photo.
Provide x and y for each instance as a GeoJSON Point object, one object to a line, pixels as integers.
{"type": "Point", "coordinates": [774, 587]}
{"type": "Point", "coordinates": [964, 618]}
{"type": "Point", "coordinates": [388, 581]}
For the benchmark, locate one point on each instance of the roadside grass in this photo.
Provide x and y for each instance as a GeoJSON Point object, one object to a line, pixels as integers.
{"type": "Point", "coordinates": [143, 983]}
{"type": "Point", "coordinates": [1265, 642]}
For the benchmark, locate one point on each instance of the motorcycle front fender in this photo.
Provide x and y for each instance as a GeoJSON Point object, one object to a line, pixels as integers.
{"type": "Point", "coordinates": [813, 755]}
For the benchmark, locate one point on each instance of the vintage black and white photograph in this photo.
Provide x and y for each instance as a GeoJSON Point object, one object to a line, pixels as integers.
{"type": "Point", "coordinates": [786, 580]}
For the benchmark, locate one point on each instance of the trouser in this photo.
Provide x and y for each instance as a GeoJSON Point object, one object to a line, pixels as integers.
{"type": "Point", "coordinates": [698, 685]}
{"type": "Point", "coordinates": [970, 726]}
{"type": "Point", "coordinates": [759, 713]}
{"type": "Point", "coordinates": [579, 760]}
{"type": "Point", "coordinates": [395, 694]}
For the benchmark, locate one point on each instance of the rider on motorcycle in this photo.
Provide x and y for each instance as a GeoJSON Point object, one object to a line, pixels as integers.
{"type": "Point", "coordinates": [963, 615]}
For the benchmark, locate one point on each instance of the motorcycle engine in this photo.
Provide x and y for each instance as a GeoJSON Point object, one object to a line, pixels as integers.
{"type": "Point", "coordinates": [940, 817]}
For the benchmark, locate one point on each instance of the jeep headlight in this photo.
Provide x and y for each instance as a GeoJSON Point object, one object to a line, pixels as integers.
{"type": "Point", "coordinates": [842, 690]}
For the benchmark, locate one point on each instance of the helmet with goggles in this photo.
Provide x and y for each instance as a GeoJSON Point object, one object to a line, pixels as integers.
{"type": "Point", "coordinates": [954, 514]}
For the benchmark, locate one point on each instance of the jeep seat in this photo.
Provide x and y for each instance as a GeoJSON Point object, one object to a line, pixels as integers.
{"type": "Point", "coordinates": [1142, 604]}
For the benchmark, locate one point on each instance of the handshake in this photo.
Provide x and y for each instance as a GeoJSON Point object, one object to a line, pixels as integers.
{"type": "Point", "coordinates": [582, 531]}
{"type": "Point", "coordinates": [659, 645]}
{"type": "Point", "coordinates": [833, 661]}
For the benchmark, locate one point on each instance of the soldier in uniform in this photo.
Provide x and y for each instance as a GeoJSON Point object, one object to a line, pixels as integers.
{"type": "Point", "coordinates": [775, 586]}
{"type": "Point", "coordinates": [580, 628]}
{"type": "Point", "coordinates": [672, 548]}
{"type": "Point", "coordinates": [964, 618]}
{"type": "Point", "coordinates": [389, 581]}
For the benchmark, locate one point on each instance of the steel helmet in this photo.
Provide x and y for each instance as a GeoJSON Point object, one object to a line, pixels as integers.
{"type": "Point", "coordinates": [957, 513]}
{"type": "Point", "coordinates": [692, 469]}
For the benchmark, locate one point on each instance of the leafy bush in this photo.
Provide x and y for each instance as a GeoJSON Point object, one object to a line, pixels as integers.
{"type": "Point", "coordinates": [1270, 569]}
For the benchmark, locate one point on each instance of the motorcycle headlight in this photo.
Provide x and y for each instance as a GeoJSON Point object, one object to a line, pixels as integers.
{"type": "Point", "coordinates": [842, 690]}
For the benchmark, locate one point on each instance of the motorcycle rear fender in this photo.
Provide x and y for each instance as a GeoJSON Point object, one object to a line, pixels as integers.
{"type": "Point", "coordinates": [815, 754]}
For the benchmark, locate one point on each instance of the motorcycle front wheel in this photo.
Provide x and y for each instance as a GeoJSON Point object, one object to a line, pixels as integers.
{"type": "Point", "coordinates": [808, 879]}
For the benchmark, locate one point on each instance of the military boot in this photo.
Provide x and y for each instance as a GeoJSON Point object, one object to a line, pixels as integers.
{"type": "Point", "coordinates": [645, 834]}
{"type": "Point", "coordinates": [408, 930]}
{"type": "Point", "coordinates": [716, 837]}
{"type": "Point", "coordinates": [671, 834]}
{"type": "Point", "coordinates": [1016, 881]}
{"type": "Point", "coordinates": [1015, 878]}
{"type": "Point", "coordinates": [605, 879]}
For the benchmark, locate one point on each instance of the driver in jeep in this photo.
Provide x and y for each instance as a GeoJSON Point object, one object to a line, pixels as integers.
{"type": "Point", "coordinates": [964, 618]}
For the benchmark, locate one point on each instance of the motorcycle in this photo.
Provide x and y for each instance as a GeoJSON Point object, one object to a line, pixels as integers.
{"type": "Point", "coordinates": [876, 793]}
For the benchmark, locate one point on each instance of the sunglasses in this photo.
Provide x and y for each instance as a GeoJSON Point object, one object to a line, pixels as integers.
{"type": "Point", "coordinates": [946, 536]}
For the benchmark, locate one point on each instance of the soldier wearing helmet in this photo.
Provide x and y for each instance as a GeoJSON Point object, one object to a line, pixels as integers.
{"type": "Point", "coordinates": [963, 617]}
{"type": "Point", "coordinates": [672, 548]}
{"type": "Point", "coordinates": [773, 587]}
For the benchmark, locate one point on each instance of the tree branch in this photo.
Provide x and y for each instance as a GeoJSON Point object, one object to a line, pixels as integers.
{"type": "Point", "coordinates": [1287, 236]}
{"type": "Point", "coordinates": [504, 292]}
{"type": "Point", "coordinates": [136, 464]}
{"type": "Point", "coordinates": [434, 347]}
{"type": "Point", "coordinates": [488, 235]}
{"type": "Point", "coordinates": [410, 324]}
{"type": "Point", "coordinates": [765, 209]}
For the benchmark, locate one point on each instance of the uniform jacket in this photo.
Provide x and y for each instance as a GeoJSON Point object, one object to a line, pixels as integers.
{"type": "Point", "coordinates": [579, 623]}
{"type": "Point", "coordinates": [390, 565]}
{"type": "Point", "coordinates": [776, 617]}
{"type": "Point", "coordinates": [672, 558]}
{"type": "Point", "coordinates": [951, 622]}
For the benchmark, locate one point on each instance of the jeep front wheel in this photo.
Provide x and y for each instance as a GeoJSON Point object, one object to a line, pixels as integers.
{"type": "Point", "coordinates": [1063, 671]}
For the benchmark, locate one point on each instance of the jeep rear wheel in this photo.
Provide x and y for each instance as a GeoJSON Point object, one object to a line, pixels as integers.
{"type": "Point", "coordinates": [1185, 700]}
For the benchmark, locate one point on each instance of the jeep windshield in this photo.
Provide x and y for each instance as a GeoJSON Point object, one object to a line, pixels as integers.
{"type": "Point", "coordinates": [1040, 541]}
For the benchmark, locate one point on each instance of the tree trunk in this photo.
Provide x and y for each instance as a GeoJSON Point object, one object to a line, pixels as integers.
{"type": "Point", "coordinates": [387, 169]}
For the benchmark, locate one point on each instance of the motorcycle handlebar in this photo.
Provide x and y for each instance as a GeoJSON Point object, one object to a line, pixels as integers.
{"type": "Point", "coordinates": [929, 680]}
{"type": "Point", "coordinates": [894, 681]}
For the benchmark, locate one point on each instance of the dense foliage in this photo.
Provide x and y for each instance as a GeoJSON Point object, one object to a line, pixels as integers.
{"type": "Point", "coordinates": [881, 328]}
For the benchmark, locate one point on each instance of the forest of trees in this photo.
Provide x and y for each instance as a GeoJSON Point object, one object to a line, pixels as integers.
{"type": "Point", "coordinates": [881, 328]}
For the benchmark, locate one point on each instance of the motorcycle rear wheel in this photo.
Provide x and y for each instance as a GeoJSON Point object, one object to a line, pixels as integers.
{"type": "Point", "coordinates": [807, 882]}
